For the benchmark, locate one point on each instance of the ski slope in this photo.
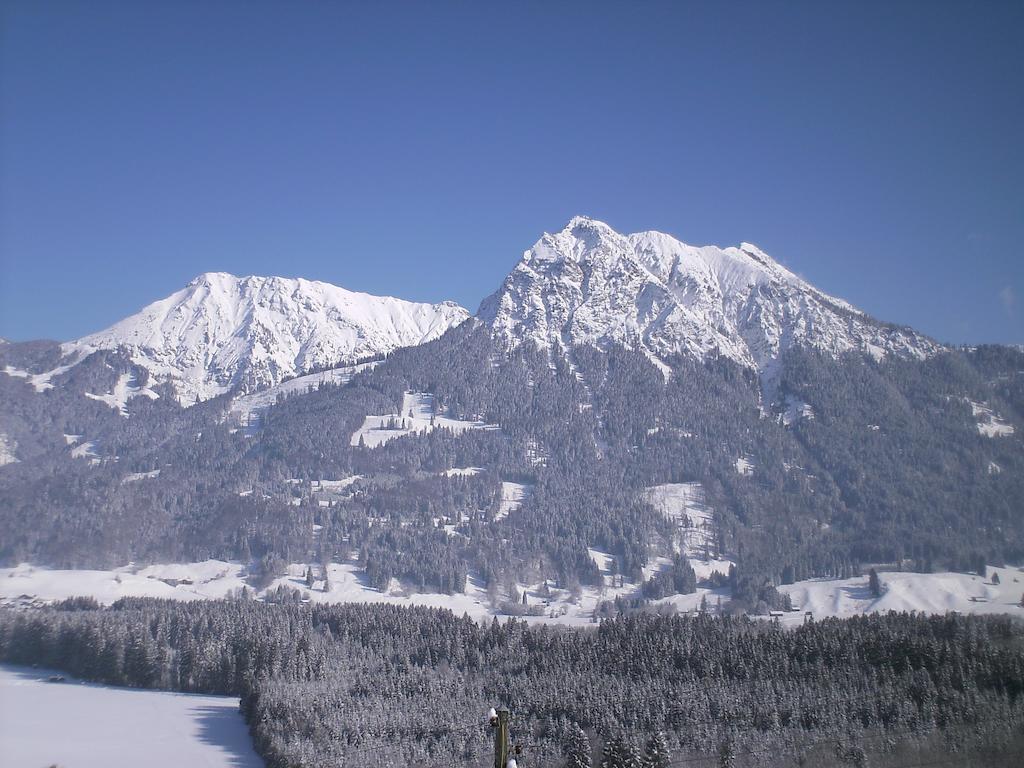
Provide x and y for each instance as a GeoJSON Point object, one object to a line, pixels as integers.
{"type": "Point", "coordinates": [80, 725]}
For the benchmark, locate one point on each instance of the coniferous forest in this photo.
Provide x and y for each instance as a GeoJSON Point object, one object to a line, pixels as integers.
{"type": "Point", "coordinates": [889, 466]}
{"type": "Point", "coordinates": [361, 685]}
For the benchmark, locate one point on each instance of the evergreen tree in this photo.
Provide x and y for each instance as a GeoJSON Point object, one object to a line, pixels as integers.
{"type": "Point", "coordinates": [874, 583]}
{"type": "Point", "coordinates": [656, 753]}
{"type": "Point", "coordinates": [727, 753]}
{"type": "Point", "coordinates": [576, 748]}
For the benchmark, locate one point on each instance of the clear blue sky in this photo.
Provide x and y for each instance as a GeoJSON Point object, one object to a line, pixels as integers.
{"type": "Point", "coordinates": [417, 149]}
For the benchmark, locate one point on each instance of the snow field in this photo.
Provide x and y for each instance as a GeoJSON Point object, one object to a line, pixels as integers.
{"type": "Point", "coordinates": [260, 401]}
{"type": "Point", "coordinates": [934, 593]}
{"type": "Point", "coordinates": [512, 496]}
{"type": "Point", "coordinates": [684, 504]}
{"type": "Point", "coordinates": [124, 390]}
{"type": "Point", "coordinates": [7, 447]}
{"type": "Point", "coordinates": [990, 424]}
{"type": "Point", "coordinates": [463, 471]}
{"type": "Point", "coordinates": [795, 410]}
{"type": "Point", "coordinates": [41, 381]}
{"type": "Point", "coordinates": [928, 593]}
{"type": "Point", "coordinates": [418, 416]}
{"type": "Point", "coordinates": [93, 726]}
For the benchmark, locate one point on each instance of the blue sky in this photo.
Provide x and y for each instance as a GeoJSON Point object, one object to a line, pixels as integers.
{"type": "Point", "coordinates": [417, 149]}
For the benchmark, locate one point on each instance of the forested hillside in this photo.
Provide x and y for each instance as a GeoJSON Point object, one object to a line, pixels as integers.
{"type": "Point", "coordinates": [862, 461]}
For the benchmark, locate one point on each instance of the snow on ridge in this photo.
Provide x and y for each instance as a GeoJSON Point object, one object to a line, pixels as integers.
{"type": "Point", "coordinates": [588, 284]}
{"type": "Point", "coordinates": [222, 331]}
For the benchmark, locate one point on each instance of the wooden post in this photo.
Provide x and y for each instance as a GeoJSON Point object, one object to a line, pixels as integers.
{"type": "Point", "coordinates": [501, 739]}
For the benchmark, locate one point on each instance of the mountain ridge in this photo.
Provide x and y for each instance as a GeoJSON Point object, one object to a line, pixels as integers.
{"type": "Point", "coordinates": [222, 332]}
{"type": "Point", "coordinates": [589, 284]}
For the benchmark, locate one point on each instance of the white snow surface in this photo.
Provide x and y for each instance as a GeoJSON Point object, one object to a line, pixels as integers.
{"type": "Point", "coordinates": [588, 284]}
{"type": "Point", "coordinates": [134, 477]}
{"type": "Point", "coordinates": [86, 450]}
{"type": "Point", "coordinates": [7, 447]}
{"type": "Point", "coordinates": [684, 504]}
{"type": "Point", "coordinates": [418, 416]}
{"type": "Point", "coordinates": [260, 401]}
{"type": "Point", "coordinates": [463, 471]}
{"type": "Point", "coordinates": [902, 591]}
{"type": "Point", "coordinates": [512, 496]}
{"type": "Point", "coordinates": [990, 424]}
{"type": "Point", "coordinates": [94, 726]}
{"type": "Point", "coordinates": [223, 331]}
{"type": "Point", "coordinates": [795, 410]}
{"type": "Point", "coordinates": [212, 579]}
{"type": "Point", "coordinates": [41, 381]}
{"type": "Point", "coordinates": [124, 390]}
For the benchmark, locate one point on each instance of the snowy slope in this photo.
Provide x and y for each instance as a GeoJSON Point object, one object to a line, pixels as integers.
{"type": "Point", "coordinates": [264, 398]}
{"type": "Point", "coordinates": [933, 593]}
{"type": "Point", "coordinates": [89, 726]}
{"type": "Point", "coordinates": [223, 331]}
{"type": "Point", "coordinates": [418, 416]}
{"type": "Point", "coordinates": [588, 284]}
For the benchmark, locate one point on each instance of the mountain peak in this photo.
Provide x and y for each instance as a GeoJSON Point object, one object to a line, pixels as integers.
{"type": "Point", "coordinates": [221, 331]}
{"type": "Point", "coordinates": [588, 284]}
{"type": "Point", "coordinates": [587, 223]}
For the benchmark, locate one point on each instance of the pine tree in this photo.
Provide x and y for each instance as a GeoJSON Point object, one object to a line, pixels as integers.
{"type": "Point", "coordinates": [631, 757]}
{"type": "Point", "coordinates": [727, 753]}
{"type": "Point", "coordinates": [874, 584]}
{"type": "Point", "coordinates": [656, 753]}
{"type": "Point", "coordinates": [576, 748]}
{"type": "Point", "coordinates": [613, 754]}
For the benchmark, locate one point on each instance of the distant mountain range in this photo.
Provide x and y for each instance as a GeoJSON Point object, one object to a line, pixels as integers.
{"type": "Point", "coordinates": [624, 407]}
{"type": "Point", "coordinates": [585, 285]}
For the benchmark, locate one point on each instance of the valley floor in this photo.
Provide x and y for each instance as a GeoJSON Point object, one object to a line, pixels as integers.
{"type": "Point", "coordinates": [902, 591]}
{"type": "Point", "coordinates": [93, 726]}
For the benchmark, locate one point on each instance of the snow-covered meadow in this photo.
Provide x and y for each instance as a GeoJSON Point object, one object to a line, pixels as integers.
{"type": "Point", "coordinates": [418, 416]}
{"type": "Point", "coordinates": [213, 579]}
{"type": "Point", "coordinates": [81, 725]}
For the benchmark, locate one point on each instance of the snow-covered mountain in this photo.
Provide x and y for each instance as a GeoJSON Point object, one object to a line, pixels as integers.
{"type": "Point", "coordinates": [223, 331]}
{"type": "Point", "coordinates": [588, 284]}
